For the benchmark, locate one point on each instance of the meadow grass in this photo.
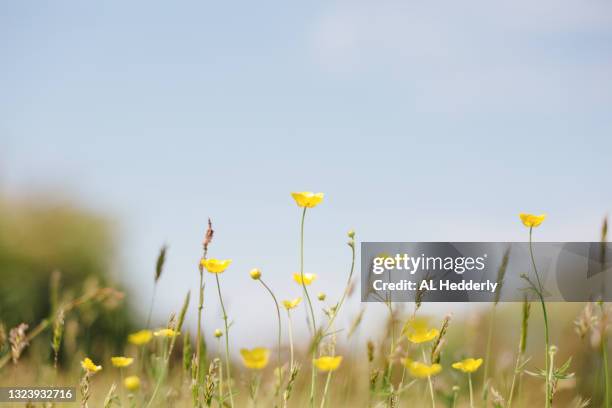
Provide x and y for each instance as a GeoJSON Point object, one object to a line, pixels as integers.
{"type": "Point", "coordinates": [414, 360]}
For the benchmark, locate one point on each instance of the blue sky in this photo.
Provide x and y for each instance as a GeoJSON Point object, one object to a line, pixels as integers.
{"type": "Point", "coordinates": [420, 122]}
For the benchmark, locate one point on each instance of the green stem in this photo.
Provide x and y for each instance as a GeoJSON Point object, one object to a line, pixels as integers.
{"type": "Point", "coordinates": [392, 347]}
{"type": "Point", "coordinates": [199, 335]}
{"type": "Point", "coordinates": [220, 393]}
{"type": "Point", "coordinates": [227, 353]}
{"type": "Point", "coordinates": [280, 376]}
{"type": "Point", "coordinates": [545, 315]}
{"type": "Point", "coordinates": [312, 315]}
{"type": "Point", "coordinates": [515, 374]}
{"type": "Point", "coordinates": [162, 374]}
{"type": "Point", "coordinates": [344, 294]}
{"type": "Point", "coordinates": [122, 397]}
{"type": "Point", "coordinates": [149, 314]}
{"type": "Point", "coordinates": [290, 341]}
{"type": "Point", "coordinates": [471, 390]}
{"type": "Point", "coordinates": [430, 383]}
{"type": "Point", "coordinates": [329, 375]}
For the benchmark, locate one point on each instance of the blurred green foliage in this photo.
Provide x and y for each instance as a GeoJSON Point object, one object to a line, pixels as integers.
{"type": "Point", "coordinates": [39, 237]}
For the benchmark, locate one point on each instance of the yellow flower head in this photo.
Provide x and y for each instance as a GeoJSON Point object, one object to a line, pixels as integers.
{"type": "Point", "coordinates": [417, 331]}
{"type": "Point", "coordinates": [321, 296]}
{"type": "Point", "coordinates": [307, 199]}
{"type": "Point", "coordinates": [218, 333]}
{"type": "Point", "coordinates": [166, 333]}
{"type": "Point", "coordinates": [422, 370]}
{"type": "Point", "coordinates": [532, 221]}
{"type": "Point", "coordinates": [132, 383]}
{"type": "Point", "coordinates": [256, 358]}
{"type": "Point", "coordinates": [89, 366]}
{"type": "Point", "coordinates": [308, 278]}
{"type": "Point", "coordinates": [215, 265]}
{"type": "Point", "coordinates": [292, 304]}
{"type": "Point", "coordinates": [255, 273]}
{"type": "Point", "coordinates": [140, 337]}
{"type": "Point", "coordinates": [122, 361]}
{"type": "Point", "coordinates": [469, 365]}
{"type": "Point", "coordinates": [328, 363]}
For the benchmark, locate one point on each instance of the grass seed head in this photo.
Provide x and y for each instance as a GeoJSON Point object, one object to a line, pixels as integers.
{"type": "Point", "coordinates": [159, 265]}
{"type": "Point", "coordinates": [208, 236]}
{"type": "Point", "coordinates": [18, 341]}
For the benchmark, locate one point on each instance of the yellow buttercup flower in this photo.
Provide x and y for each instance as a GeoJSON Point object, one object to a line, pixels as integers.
{"type": "Point", "coordinates": [215, 265]}
{"type": "Point", "coordinates": [417, 331]}
{"type": "Point", "coordinates": [308, 278]}
{"type": "Point", "coordinates": [328, 363]}
{"type": "Point", "coordinates": [255, 273]}
{"type": "Point", "coordinates": [469, 365]}
{"type": "Point", "coordinates": [307, 199]}
{"type": "Point", "coordinates": [89, 366]}
{"type": "Point", "coordinates": [532, 221]}
{"type": "Point", "coordinates": [256, 358]}
{"type": "Point", "coordinates": [140, 337]}
{"type": "Point", "coordinates": [166, 333]}
{"type": "Point", "coordinates": [422, 370]}
{"type": "Point", "coordinates": [122, 361]}
{"type": "Point", "coordinates": [292, 304]}
{"type": "Point", "coordinates": [132, 383]}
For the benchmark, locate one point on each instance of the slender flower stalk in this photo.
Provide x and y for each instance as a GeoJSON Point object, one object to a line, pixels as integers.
{"type": "Point", "coordinates": [520, 352]}
{"type": "Point", "coordinates": [208, 237]}
{"type": "Point", "coordinates": [327, 364]}
{"type": "Point", "coordinates": [347, 288]}
{"type": "Point", "coordinates": [227, 350]}
{"type": "Point", "coordinates": [218, 334]}
{"type": "Point", "coordinates": [327, 382]}
{"type": "Point", "coordinates": [305, 200]}
{"type": "Point", "coordinates": [256, 275]}
{"type": "Point", "coordinates": [501, 273]}
{"type": "Point", "coordinates": [329, 373]}
{"type": "Point", "coordinates": [291, 352]}
{"type": "Point", "coordinates": [471, 390]}
{"type": "Point", "coordinates": [532, 221]}
{"type": "Point", "coordinates": [468, 366]}
{"type": "Point", "coordinates": [310, 308]}
{"type": "Point", "coordinates": [430, 383]}
{"type": "Point", "coordinates": [539, 291]}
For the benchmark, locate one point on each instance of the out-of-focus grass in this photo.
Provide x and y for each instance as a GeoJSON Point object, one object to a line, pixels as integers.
{"type": "Point", "coordinates": [70, 311]}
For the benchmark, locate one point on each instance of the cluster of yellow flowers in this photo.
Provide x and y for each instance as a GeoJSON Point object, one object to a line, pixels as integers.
{"type": "Point", "coordinates": [142, 337]}
{"type": "Point", "coordinates": [258, 357]}
{"type": "Point", "coordinates": [415, 330]}
{"type": "Point", "coordinates": [132, 382]}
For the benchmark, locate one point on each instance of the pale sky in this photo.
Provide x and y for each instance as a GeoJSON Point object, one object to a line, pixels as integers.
{"type": "Point", "coordinates": [419, 121]}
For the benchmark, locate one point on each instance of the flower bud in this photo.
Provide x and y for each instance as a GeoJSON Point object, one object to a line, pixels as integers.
{"type": "Point", "coordinates": [351, 234]}
{"type": "Point", "coordinates": [218, 333]}
{"type": "Point", "coordinates": [255, 273]}
{"type": "Point", "coordinates": [321, 296]}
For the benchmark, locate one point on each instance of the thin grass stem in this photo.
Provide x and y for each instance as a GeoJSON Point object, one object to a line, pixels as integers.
{"type": "Point", "coordinates": [227, 352]}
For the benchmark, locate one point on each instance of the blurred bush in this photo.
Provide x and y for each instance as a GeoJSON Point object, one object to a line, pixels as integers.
{"type": "Point", "coordinates": [39, 237]}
